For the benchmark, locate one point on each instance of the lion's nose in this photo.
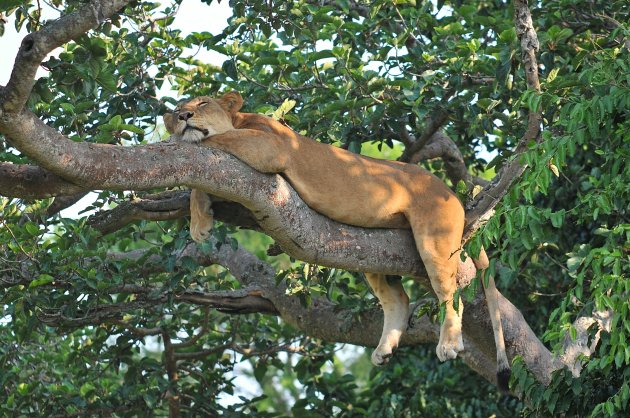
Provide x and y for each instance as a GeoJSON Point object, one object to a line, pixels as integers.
{"type": "Point", "coordinates": [185, 115]}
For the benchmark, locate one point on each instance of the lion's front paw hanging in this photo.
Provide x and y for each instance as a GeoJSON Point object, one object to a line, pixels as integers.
{"type": "Point", "coordinates": [199, 235]}
{"type": "Point", "coordinates": [381, 355]}
{"type": "Point", "coordinates": [448, 349]}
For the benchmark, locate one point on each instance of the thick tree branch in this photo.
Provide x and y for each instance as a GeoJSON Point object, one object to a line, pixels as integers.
{"type": "Point", "coordinates": [277, 208]}
{"type": "Point", "coordinates": [35, 46]}
{"type": "Point", "coordinates": [483, 204]}
{"type": "Point", "coordinates": [167, 205]}
{"type": "Point", "coordinates": [33, 182]}
{"type": "Point", "coordinates": [323, 319]}
{"type": "Point", "coordinates": [441, 146]}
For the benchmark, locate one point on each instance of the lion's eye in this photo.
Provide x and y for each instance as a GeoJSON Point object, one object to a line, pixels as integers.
{"type": "Point", "coordinates": [176, 110]}
{"type": "Point", "coordinates": [202, 104]}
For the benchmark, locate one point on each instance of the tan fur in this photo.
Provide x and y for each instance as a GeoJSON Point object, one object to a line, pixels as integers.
{"type": "Point", "coordinates": [348, 188]}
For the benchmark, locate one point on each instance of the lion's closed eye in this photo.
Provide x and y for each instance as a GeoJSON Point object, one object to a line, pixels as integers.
{"type": "Point", "coordinates": [202, 104]}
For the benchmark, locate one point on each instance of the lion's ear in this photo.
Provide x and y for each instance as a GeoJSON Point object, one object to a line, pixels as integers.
{"type": "Point", "coordinates": [231, 102]}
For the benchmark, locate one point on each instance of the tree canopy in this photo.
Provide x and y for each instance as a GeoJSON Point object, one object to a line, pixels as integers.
{"type": "Point", "coordinates": [522, 109]}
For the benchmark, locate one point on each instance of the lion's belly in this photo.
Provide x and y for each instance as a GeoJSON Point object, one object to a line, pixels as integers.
{"type": "Point", "coordinates": [369, 203]}
{"type": "Point", "coordinates": [362, 191]}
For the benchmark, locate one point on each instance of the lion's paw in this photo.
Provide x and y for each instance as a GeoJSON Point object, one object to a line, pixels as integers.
{"type": "Point", "coordinates": [381, 355]}
{"type": "Point", "coordinates": [448, 350]}
{"type": "Point", "coordinates": [199, 235]}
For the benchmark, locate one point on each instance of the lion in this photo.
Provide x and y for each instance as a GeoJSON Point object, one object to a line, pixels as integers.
{"type": "Point", "coordinates": [351, 189]}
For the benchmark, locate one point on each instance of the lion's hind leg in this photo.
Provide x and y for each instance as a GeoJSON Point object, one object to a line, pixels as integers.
{"type": "Point", "coordinates": [395, 303]}
{"type": "Point", "coordinates": [200, 215]}
{"type": "Point", "coordinates": [441, 259]}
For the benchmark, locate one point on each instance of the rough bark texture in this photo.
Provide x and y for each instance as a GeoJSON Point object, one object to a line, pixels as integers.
{"type": "Point", "coordinates": [32, 182]}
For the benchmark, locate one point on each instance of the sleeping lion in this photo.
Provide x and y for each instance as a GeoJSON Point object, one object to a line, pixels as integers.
{"type": "Point", "coordinates": [368, 192]}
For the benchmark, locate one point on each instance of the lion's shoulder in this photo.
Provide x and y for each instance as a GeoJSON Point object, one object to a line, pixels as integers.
{"type": "Point", "coordinates": [260, 122]}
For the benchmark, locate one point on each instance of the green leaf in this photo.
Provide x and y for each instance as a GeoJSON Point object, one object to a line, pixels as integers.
{"type": "Point", "coordinates": [131, 128]}
{"type": "Point", "coordinates": [504, 66]}
{"type": "Point", "coordinates": [355, 147]}
{"type": "Point", "coordinates": [323, 54]}
{"type": "Point", "coordinates": [229, 67]}
{"type": "Point", "coordinates": [42, 279]}
{"type": "Point", "coordinates": [573, 263]}
{"type": "Point", "coordinates": [86, 389]}
{"type": "Point", "coordinates": [260, 369]}
{"type": "Point", "coordinates": [508, 36]}
{"type": "Point", "coordinates": [115, 122]}
{"type": "Point", "coordinates": [557, 218]}
{"type": "Point", "coordinates": [552, 75]}
{"type": "Point", "coordinates": [284, 108]}
{"type": "Point", "coordinates": [573, 333]}
{"type": "Point", "coordinates": [32, 228]}
{"type": "Point", "coordinates": [620, 358]}
{"type": "Point", "coordinates": [67, 107]}
{"type": "Point", "coordinates": [107, 81]}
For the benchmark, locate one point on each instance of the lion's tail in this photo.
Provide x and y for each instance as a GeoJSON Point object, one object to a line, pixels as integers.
{"type": "Point", "coordinates": [492, 298]}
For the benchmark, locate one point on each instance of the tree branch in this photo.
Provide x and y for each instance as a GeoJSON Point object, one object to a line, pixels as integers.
{"type": "Point", "coordinates": [33, 182]}
{"type": "Point", "coordinates": [435, 122]}
{"type": "Point", "coordinates": [167, 205]}
{"type": "Point", "coordinates": [242, 301]}
{"type": "Point", "coordinates": [170, 362]}
{"type": "Point", "coordinates": [62, 202]}
{"type": "Point", "coordinates": [323, 319]}
{"type": "Point", "coordinates": [484, 203]}
{"type": "Point", "coordinates": [35, 46]}
{"type": "Point", "coordinates": [441, 146]}
{"type": "Point", "coordinates": [277, 208]}
{"type": "Point", "coordinates": [302, 232]}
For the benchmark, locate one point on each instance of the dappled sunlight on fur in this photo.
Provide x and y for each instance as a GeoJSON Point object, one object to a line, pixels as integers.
{"type": "Point", "coordinates": [347, 188]}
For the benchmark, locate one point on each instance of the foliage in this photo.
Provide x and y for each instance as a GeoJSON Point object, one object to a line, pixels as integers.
{"type": "Point", "coordinates": [347, 73]}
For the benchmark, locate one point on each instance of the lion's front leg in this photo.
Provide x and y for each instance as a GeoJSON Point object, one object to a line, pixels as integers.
{"type": "Point", "coordinates": [395, 303]}
{"type": "Point", "coordinates": [200, 215]}
{"type": "Point", "coordinates": [263, 151]}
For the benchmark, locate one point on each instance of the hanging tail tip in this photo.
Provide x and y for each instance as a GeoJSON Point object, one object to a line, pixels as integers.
{"type": "Point", "coordinates": [503, 379]}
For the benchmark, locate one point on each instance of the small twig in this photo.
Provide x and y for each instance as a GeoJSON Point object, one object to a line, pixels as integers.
{"type": "Point", "coordinates": [203, 331]}
{"type": "Point", "coordinates": [30, 257]}
{"type": "Point", "coordinates": [141, 332]}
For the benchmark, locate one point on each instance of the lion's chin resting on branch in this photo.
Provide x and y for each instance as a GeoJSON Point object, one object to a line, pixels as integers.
{"type": "Point", "coordinates": [367, 192]}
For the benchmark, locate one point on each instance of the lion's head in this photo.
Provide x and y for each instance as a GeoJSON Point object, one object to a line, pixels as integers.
{"type": "Point", "coordinates": [203, 116]}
